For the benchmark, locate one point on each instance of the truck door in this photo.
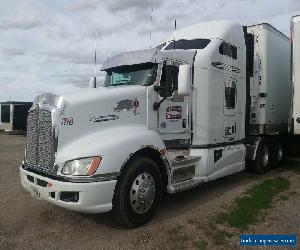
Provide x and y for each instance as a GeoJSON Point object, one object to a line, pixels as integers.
{"type": "Point", "coordinates": [230, 96]}
{"type": "Point", "coordinates": [231, 78]}
{"type": "Point", "coordinates": [174, 113]}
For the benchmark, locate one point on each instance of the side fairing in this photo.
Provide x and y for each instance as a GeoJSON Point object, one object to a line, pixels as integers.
{"type": "Point", "coordinates": [213, 121]}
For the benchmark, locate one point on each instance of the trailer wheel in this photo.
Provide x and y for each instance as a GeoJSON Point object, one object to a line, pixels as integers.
{"type": "Point", "coordinates": [138, 193]}
{"type": "Point", "coordinates": [262, 159]}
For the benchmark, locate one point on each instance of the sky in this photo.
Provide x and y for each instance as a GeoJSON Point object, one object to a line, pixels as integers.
{"type": "Point", "coordinates": [47, 46]}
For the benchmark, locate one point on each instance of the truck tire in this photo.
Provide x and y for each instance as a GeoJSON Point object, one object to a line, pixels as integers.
{"type": "Point", "coordinates": [278, 153]}
{"type": "Point", "coordinates": [262, 159]}
{"type": "Point", "coordinates": [138, 193]}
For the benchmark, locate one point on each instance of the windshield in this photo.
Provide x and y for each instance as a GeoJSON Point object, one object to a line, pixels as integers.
{"type": "Point", "coordinates": [139, 74]}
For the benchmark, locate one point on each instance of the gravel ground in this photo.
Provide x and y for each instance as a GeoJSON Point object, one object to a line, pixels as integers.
{"type": "Point", "coordinates": [182, 222]}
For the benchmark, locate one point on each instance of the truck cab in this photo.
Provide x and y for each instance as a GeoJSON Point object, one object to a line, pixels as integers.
{"type": "Point", "coordinates": [165, 120]}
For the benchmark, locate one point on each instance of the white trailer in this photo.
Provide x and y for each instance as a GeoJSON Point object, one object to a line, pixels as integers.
{"type": "Point", "coordinates": [270, 91]}
{"type": "Point", "coordinates": [295, 37]}
{"type": "Point", "coordinates": [165, 121]}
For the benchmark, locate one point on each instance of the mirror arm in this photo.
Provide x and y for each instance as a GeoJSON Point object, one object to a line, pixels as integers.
{"type": "Point", "coordinates": [157, 88]}
{"type": "Point", "coordinates": [156, 105]}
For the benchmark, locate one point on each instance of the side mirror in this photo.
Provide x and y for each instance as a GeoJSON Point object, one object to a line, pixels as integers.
{"type": "Point", "coordinates": [165, 88]}
{"type": "Point", "coordinates": [184, 80]}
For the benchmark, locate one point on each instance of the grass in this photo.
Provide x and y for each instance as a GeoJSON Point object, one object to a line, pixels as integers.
{"type": "Point", "coordinates": [292, 193]}
{"type": "Point", "coordinates": [175, 230]}
{"type": "Point", "coordinates": [200, 244]}
{"type": "Point", "coordinates": [182, 240]}
{"type": "Point", "coordinates": [177, 234]}
{"type": "Point", "coordinates": [219, 236]}
{"type": "Point", "coordinates": [284, 197]}
{"type": "Point", "coordinates": [246, 210]}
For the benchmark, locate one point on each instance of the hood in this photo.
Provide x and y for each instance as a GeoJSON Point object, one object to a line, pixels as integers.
{"type": "Point", "coordinates": [91, 110]}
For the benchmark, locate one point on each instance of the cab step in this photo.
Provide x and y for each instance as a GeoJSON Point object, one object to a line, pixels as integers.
{"type": "Point", "coordinates": [185, 185]}
{"type": "Point", "coordinates": [183, 168]}
{"type": "Point", "coordinates": [181, 161]}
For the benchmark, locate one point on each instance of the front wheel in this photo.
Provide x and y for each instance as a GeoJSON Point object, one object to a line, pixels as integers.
{"type": "Point", "coordinates": [138, 193]}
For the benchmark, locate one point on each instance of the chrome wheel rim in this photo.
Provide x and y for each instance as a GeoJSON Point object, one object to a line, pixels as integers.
{"type": "Point", "coordinates": [265, 156]}
{"type": "Point", "coordinates": [142, 193]}
{"type": "Point", "coordinates": [279, 152]}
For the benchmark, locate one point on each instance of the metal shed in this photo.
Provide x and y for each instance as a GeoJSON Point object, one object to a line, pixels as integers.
{"type": "Point", "coordinates": [14, 115]}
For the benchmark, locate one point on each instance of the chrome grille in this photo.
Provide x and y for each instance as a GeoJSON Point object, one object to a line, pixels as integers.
{"type": "Point", "coordinates": [39, 152]}
{"type": "Point", "coordinates": [32, 138]}
{"type": "Point", "coordinates": [45, 140]}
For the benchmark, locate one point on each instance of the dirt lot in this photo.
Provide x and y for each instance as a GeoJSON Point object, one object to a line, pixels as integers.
{"type": "Point", "coordinates": [184, 220]}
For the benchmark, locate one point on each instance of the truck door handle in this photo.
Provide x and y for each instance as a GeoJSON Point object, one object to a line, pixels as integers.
{"type": "Point", "coordinates": [184, 123]}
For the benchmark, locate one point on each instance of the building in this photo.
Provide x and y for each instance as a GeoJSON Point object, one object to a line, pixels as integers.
{"type": "Point", "coordinates": [14, 115]}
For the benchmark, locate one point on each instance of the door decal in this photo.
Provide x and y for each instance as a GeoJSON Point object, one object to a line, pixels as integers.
{"type": "Point", "coordinates": [174, 112]}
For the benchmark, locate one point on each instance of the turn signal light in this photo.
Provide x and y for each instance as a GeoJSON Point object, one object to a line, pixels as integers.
{"type": "Point", "coordinates": [94, 165]}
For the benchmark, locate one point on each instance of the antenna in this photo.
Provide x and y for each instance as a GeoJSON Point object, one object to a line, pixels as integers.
{"type": "Point", "coordinates": [174, 42]}
{"type": "Point", "coordinates": [151, 26]}
{"type": "Point", "coordinates": [95, 66]}
{"type": "Point", "coordinates": [93, 80]}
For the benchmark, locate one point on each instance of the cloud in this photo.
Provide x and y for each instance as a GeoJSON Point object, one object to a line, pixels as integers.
{"type": "Point", "coordinates": [121, 5]}
{"type": "Point", "coordinates": [69, 56]}
{"type": "Point", "coordinates": [24, 22]}
{"type": "Point", "coordinates": [80, 5]}
{"type": "Point", "coordinates": [76, 55]}
{"type": "Point", "coordinates": [78, 80]}
{"type": "Point", "coordinates": [10, 51]}
{"type": "Point", "coordinates": [49, 45]}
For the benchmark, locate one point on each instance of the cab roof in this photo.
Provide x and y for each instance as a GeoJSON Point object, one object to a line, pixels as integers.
{"type": "Point", "coordinates": [229, 31]}
{"type": "Point", "coordinates": [147, 56]}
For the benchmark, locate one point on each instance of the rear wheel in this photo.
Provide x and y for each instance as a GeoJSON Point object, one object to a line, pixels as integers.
{"type": "Point", "coordinates": [278, 154]}
{"type": "Point", "coordinates": [138, 193]}
{"type": "Point", "coordinates": [262, 159]}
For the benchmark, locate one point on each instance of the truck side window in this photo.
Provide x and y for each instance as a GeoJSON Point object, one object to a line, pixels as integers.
{"type": "Point", "coordinates": [169, 79]}
{"type": "Point", "coordinates": [188, 44]}
{"type": "Point", "coordinates": [230, 93]}
{"type": "Point", "coordinates": [228, 50]}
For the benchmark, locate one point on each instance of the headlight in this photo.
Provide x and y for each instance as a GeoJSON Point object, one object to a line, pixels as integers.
{"type": "Point", "coordinates": [82, 167]}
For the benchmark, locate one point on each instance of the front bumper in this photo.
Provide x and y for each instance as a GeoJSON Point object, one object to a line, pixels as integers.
{"type": "Point", "coordinates": [94, 197]}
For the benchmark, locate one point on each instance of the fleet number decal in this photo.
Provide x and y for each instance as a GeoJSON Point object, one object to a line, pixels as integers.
{"type": "Point", "coordinates": [67, 121]}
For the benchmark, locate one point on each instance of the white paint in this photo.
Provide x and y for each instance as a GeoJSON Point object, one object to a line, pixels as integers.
{"type": "Point", "coordinates": [95, 197]}
{"type": "Point", "coordinates": [295, 29]}
{"type": "Point", "coordinates": [205, 111]}
{"type": "Point", "coordinates": [184, 80]}
{"type": "Point", "coordinates": [271, 76]}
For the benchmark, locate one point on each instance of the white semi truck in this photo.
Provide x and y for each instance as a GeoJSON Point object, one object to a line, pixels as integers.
{"type": "Point", "coordinates": [166, 120]}
{"type": "Point", "coordinates": [295, 38]}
